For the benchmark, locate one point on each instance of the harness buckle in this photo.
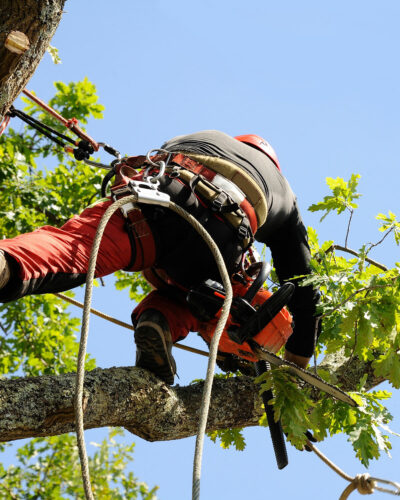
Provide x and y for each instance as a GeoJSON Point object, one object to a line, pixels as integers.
{"type": "Point", "coordinates": [145, 192]}
{"type": "Point", "coordinates": [243, 231]}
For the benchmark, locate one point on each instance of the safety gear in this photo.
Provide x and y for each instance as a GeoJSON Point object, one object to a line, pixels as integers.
{"type": "Point", "coordinates": [261, 144]}
{"type": "Point", "coordinates": [219, 184]}
{"type": "Point", "coordinates": [135, 223]}
{"type": "Point", "coordinates": [154, 346]}
{"type": "Point", "coordinates": [209, 167]}
{"type": "Point", "coordinates": [4, 270]}
{"type": "Point", "coordinates": [231, 363]}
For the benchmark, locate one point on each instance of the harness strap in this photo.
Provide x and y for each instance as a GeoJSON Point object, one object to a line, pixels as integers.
{"type": "Point", "coordinates": [223, 190]}
{"type": "Point", "coordinates": [210, 174]}
{"type": "Point", "coordinates": [140, 235]}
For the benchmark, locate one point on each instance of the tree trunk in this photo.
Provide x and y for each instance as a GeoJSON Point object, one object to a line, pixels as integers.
{"type": "Point", "coordinates": [125, 397]}
{"type": "Point", "coordinates": [26, 28]}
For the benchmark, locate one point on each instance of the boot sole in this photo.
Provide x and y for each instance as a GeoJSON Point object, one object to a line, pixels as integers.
{"type": "Point", "coordinates": [153, 353]}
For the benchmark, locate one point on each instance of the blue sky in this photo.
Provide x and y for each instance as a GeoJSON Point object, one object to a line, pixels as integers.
{"type": "Point", "coordinates": [318, 80]}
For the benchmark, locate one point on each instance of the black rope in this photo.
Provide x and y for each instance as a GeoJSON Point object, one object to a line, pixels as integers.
{"type": "Point", "coordinates": [47, 131]}
{"type": "Point", "coordinates": [82, 152]}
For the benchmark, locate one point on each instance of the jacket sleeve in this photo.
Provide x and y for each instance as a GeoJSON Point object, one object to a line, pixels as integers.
{"type": "Point", "coordinates": [291, 256]}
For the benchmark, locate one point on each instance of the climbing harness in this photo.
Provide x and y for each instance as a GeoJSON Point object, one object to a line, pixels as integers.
{"type": "Point", "coordinates": [230, 193]}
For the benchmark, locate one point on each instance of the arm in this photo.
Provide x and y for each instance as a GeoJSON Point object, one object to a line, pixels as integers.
{"type": "Point", "coordinates": [291, 255]}
{"type": "Point", "coordinates": [301, 361]}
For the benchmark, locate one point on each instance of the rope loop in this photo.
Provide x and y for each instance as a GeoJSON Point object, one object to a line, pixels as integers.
{"type": "Point", "coordinates": [363, 483]}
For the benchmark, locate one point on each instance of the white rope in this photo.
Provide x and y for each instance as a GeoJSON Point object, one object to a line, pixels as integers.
{"type": "Point", "coordinates": [212, 355]}
{"type": "Point", "coordinates": [83, 342]}
{"type": "Point", "coordinates": [205, 401]}
{"type": "Point", "coordinates": [363, 483]}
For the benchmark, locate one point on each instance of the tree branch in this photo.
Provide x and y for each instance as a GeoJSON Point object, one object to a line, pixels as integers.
{"type": "Point", "coordinates": [356, 254]}
{"type": "Point", "coordinates": [126, 397]}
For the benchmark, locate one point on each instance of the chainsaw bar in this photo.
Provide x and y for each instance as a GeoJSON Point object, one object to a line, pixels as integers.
{"type": "Point", "coordinates": [305, 375]}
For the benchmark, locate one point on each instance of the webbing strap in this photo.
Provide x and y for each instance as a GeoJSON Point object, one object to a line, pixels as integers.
{"type": "Point", "coordinates": [255, 209]}
{"type": "Point", "coordinates": [146, 248]}
{"type": "Point", "coordinates": [242, 179]}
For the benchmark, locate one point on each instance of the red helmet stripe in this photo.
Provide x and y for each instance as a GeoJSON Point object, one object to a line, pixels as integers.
{"type": "Point", "coordinates": [261, 144]}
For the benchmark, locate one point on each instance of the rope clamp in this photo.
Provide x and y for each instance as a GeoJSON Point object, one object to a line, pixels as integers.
{"type": "Point", "coordinates": [145, 192]}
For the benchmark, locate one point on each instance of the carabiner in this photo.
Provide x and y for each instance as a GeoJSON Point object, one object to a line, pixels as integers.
{"type": "Point", "coordinates": [154, 178]}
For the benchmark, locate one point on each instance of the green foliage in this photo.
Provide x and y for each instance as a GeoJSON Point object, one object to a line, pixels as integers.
{"type": "Point", "coordinates": [360, 313]}
{"type": "Point", "coordinates": [49, 469]}
{"type": "Point", "coordinates": [40, 337]}
{"type": "Point", "coordinates": [53, 51]}
{"type": "Point", "coordinates": [366, 426]}
{"type": "Point", "coordinates": [138, 287]}
{"type": "Point", "coordinates": [228, 437]}
{"type": "Point", "coordinates": [291, 404]}
{"type": "Point", "coordinates": [342, 197]}
{"type": "Point", "coordinates": [389, 223]}
{"type": "Point", "coordinates": [40, 185]}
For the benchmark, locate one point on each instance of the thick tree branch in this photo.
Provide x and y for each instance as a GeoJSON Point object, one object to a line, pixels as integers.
{"type": "Point", "coordinates": [135, 399]}
{"type": "Point", "coordinates": [125, 397]}
{"type": "Point", "coordinates": [348, 374]}
{"type": "Point", "coordinates": [26, 29]}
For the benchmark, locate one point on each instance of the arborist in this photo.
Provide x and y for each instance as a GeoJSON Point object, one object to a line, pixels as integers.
{"type": "Point", "coordinates": [232, 185]}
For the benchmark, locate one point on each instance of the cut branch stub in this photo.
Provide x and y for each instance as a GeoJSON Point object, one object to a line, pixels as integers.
{"type": "Point", "coordinates": [17, 42]}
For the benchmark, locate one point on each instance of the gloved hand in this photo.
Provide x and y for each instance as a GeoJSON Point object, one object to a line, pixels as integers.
{"type": "Point", "coordinates": [232, 363]}
{"type": "Point", "coordinates": [311, 438]}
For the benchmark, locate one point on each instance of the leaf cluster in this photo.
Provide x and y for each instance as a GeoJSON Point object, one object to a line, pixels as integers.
{"type": "Point", "coordinates": [342, 197]}
{"type": "Point", "coordinates": [49, 468]}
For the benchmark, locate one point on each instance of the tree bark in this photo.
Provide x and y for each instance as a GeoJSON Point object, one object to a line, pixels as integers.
{"type": "Point", "coordinates": [138, 401]}
{"type": "Point", "coordinates": [125, 397]}
{"type": "Point", "coordinates": [26, 28]}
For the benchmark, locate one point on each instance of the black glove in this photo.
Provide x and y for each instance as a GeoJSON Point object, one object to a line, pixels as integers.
{"type": "Point", "coordinates": [232, 363]}
{"type": "Point", "coordinates": [311, 438]}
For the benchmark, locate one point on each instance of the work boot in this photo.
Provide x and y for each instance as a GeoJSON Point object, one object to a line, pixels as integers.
{"type": "Point", "coordinates": [154, 345]}
{"type": "Point", "coordinates": [4, 270]}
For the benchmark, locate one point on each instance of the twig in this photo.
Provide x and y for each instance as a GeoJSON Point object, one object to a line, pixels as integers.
{"type": "Point", "coordinates": [315, 342]}
{"type": "Point", "coordinates": [348, 227]}
{"type": "Point", "coordinates": [356, 254]}
{"type": "Point", "coordinates": [372, 245]}
{"type": "Point", "coordinates": [355, 344]}
{"type": "Point", "coordinates": [3, 328]}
